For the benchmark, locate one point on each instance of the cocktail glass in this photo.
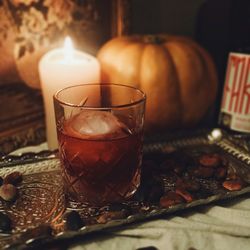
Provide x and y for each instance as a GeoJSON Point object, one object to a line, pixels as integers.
{"type": "Point", "coordinates": [100, 134]}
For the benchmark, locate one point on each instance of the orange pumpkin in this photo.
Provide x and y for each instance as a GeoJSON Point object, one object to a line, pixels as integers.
{"type": "Point", "coordinates": [177, 75]}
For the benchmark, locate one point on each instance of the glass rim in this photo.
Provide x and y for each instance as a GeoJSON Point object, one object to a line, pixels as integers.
{"type": "Point", "coordinates": [141, 100]}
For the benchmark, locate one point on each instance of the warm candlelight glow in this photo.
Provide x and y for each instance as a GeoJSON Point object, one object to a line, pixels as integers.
{"type": "Point", "coordinates": [60, 68]}
{"type": "Point", "coordinates": [68, 50]}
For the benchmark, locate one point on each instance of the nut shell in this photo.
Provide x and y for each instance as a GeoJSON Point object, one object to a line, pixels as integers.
{"type": "Point", "coordinates": [8, 192]}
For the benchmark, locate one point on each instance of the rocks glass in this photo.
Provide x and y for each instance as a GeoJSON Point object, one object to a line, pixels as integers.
{"type": "Point", "coordinates": [100, 133]}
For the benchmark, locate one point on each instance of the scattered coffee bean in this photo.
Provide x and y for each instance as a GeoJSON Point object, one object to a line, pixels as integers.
{"type": "Point", "coordinates": [73, 221]}
{"type": "Point", "coordinates": [210, 160]}
{"type": "Point", "coordinates": [8, 192]}
{"type": "Point", "coordinates": [5, 223]}
{"type": "Point", "coordinates": [170, 199]}
{"type": "Point", "coordinates": [13, 178]}
{"type": "Point", "coordinates": [233, 185]}
{"type": "Point", "coordinates": [184, 194]}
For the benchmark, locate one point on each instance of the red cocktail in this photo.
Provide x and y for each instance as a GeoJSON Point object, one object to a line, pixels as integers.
{"type": "Point", "coordinates": [101, 148]}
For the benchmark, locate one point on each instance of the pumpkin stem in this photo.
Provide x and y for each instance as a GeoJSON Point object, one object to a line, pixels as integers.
{"type": "Point", "coordinates": [153, 39]}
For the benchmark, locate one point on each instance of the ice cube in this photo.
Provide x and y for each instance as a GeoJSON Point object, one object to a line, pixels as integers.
{"type": "Point", "coordinates": [94, 123]}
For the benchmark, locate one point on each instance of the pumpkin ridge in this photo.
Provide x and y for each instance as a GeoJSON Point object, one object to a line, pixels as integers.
{"type": "Point", "coordinates": [206, 59]}
{"type": "Point", "coordinates": [156, 83]}
{"type": "Point", "coordinates": [130, 48]}
{"type": "Point", "coordinates": [178, 80]}
{"type": "Point", "coordinates": [197, 85]}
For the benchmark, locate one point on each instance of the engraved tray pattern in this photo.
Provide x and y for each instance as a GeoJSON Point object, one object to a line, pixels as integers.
{"type": "Point", "coordinates": [41, 199]}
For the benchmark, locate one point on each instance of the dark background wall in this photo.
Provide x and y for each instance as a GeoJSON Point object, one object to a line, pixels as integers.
{"type": "Point", "coordinates": [171, 16]}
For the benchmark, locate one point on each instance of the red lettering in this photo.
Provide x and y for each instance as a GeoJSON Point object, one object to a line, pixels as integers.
{"type": "Point", "coordinates": [236, 97]}
{"type": "Point", "coordinates": [234, 91]}
{"type": "Point", "coordinates": [241, 85]}
{"type": "Point", "coordinates": [245, 91]}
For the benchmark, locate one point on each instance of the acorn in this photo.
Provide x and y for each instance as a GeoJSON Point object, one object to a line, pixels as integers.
{"type": "Point", "coordinates": [73, 221]}
{"type": "Point", "coordinates": [8, 192]}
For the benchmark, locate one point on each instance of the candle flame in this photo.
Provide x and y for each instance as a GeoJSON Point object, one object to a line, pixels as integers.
{"type": "Point", "coordinates": [68, 49]}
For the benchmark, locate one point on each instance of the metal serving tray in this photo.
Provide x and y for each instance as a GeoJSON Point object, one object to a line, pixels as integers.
{"type": "Point", "coordinates": [41, 200]}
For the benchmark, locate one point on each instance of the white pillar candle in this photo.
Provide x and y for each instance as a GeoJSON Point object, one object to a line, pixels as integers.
{"type": "Point", "coordinates": [60, 68]}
